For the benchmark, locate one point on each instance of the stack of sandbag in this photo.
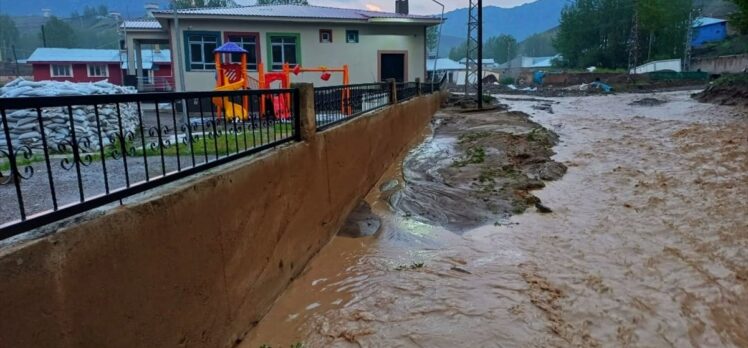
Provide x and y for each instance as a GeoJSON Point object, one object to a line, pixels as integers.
{"type": "Point", "coordinates": [58, 123]}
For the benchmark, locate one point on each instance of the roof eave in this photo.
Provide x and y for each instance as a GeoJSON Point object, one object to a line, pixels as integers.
{"type": "Point", "coordinates": [163, 16]}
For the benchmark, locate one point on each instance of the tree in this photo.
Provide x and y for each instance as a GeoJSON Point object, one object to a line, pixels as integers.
{"type": "Point", "coordinates": [8, 37]}
{"type": "Point", "coordinates": [432, 38]}
{"type": "Point", "coordinates": [538, 45]}
{"type": "Point", "coordinates": [282, 2]}
{"type": "Point", "coordinates": [664, 25]}
{"type": "Point", "coordinates": [199, 3]}
{"type": "Point", "coordinates": [597, 32]}
{"type": "Point", "coordinates": [740, 17]}
{"type": "Point", "coordinates": [59, 33]}
{"type": "Point", "coordinates": [502, 48]}
{"type": "Point", "coordinates": [458, 52]}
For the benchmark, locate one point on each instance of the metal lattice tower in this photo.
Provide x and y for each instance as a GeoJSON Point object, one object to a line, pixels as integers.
{"type": "Point", "coordinates": [471, 51]}
{"type": "Point", "coordinates": [633, 44]}
{"type": "Point", "coordinates": [474, 51]}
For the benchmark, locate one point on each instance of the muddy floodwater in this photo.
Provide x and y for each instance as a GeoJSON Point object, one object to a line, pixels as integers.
{"type": "Point", "coordinates": [646, 246]}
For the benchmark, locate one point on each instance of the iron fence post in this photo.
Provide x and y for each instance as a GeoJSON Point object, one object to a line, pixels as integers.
{"type": "Point", "coordinates": [418, 86]}
{"type": "Point", "coordinates": [306, 114]}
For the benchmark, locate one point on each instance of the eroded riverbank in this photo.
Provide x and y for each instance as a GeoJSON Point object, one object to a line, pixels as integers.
{"type": "Point", "coordinates": [645, 247]}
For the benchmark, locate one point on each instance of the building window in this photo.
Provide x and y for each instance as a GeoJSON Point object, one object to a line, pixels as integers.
{"type": "Point", "coordinates": [248, 42]}
{"type": "Point", "coordinates": [61, 70]}
{"type": "Point", "coordinates": [284, 48]}
{"type": "Point", "coordinates": [325, 35]}
{"type": "Point", "coordinates": [98, 70]}
{"type": "Point", "coordinates": [351, 36]}
{"type": "Point", "coordinates": [200, 48]}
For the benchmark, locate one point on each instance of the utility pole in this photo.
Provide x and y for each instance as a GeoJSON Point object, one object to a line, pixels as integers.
{"type": "Point", "coordinates": [44, 37]}
{"type": "Point", "coordinates": [15, 60]}
{"type": "Point", "coordinates": [686, 66]}
{"type": "Point", "coordinates": [634, 41]}
{"type": "Point", "coordinates": [480, 54]}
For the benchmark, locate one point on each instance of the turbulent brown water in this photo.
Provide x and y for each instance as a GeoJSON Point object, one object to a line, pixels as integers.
{"type": "Point", "coordinates": [646, 247]}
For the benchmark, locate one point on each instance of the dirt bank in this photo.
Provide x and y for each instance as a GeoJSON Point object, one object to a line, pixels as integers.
{"type": "Point", "coordinates": [729, 90]}
{"type": "Point", "coordinates": [478, 168]}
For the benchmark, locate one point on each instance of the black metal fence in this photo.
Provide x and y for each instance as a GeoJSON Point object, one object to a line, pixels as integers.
{"type": "Point", "coordinates": [406, 90]}
{"type": "Point", "coordinates": [430, 87]}
{"type": "Point", "coordinates": [336, 104]}
{"type": "Point", "coordinates": [61, 156]}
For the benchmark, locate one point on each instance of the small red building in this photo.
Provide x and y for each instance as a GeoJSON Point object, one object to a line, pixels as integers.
{"type": "Point", "coordinates": [91, 65]}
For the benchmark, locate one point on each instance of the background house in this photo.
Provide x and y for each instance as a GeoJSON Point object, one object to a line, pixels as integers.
{"type": "Point", "coordinates": [91, 65]}
{"type": "Point", "coordinates": [454, 71]}
{"type": "Point", "coordinates": [707, 29]}
{"type": "Point", "coordinates": [375, 45]}
{"type": "Point", "coordinates": [523, 64]}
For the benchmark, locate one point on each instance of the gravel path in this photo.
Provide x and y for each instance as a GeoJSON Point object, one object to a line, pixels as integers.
{"type": "Point", "coordinates": [36, 191]}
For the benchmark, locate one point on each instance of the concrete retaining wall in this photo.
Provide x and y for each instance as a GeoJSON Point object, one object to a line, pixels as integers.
{"type": "Point", "coordinates": [199, 263]}
{"type": "Point", "coordinates": [720, 65]}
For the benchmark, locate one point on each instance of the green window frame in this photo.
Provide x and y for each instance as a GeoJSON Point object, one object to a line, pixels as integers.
{"type": "Point", "coordinates": [351, 36]}
{"type": "Point", "coordinates": [279, 44]}
{"type": "Point", "coordinates": [198, 49]}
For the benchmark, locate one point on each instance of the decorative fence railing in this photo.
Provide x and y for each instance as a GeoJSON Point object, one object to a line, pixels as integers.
{"type": "Point", "coordinates": [406, 90]}
{"type": "Point", "coordinates": [430, 87]}
{"type": "Point", "coordinates": [60, 156]}
{"type": "Point", "coordinates": [336, 104]}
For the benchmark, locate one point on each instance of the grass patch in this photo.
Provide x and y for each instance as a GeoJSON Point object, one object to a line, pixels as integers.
{"type": "Point", "coordinates": [730, 80]}
{"type": "Point", "coordinates": [541, 136]}
{"type": "Point", "coordinates": [473, 155]}
{"type": "Point", "coordinates": [211, 145]}
{"type": "Point", "coordinates": [21, 161]}
{"type": "Point", "coordinates": [471, 137]}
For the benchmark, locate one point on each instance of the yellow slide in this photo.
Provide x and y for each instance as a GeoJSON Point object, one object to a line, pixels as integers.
{"type": "Point", "coordinates": [228, 108]}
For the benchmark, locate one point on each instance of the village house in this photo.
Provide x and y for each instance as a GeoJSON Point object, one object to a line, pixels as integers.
{"type": "Point", "coordinates": [91, 65]}
{"type": "Point", "coordinates": [707, 29]}
{"type": "Point", "coordinates": [375, 45]}
{"type": "Point", "coordinates": [454, 71]}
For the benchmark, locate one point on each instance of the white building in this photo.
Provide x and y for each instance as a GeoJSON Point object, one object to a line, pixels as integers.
{"type": "Point", "coordinates": [454, 71]}
{"type": "Point", "coordinates": [375, 45]}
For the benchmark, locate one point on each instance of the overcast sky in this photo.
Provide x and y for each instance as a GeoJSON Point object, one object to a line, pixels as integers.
{"type": "Point", "coordinates": [416, 6]}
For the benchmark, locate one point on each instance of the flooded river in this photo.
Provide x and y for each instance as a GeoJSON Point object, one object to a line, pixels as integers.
{"type": "Point", "coordinates": [647, 246]}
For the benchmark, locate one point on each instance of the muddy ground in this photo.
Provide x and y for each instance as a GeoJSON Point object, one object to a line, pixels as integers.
{"type": "Point", "coordinates": [730, 90]}
{"type": "Point", "coordinates": [645, 247]}
{"type": "Point", "coordinates": [489, 162]}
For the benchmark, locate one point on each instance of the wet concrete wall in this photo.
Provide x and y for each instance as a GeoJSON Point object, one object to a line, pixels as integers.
{"type": "Point", "coordinates": [720, 65]}
{"type": "Point", "coordinates": [199, 263]}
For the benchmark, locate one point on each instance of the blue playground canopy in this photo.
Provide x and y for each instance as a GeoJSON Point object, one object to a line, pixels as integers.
{"type": "Point", "coordinates": [229, 47]}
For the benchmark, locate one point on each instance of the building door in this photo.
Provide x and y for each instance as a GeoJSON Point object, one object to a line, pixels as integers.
{"type": "Point", "coordinates": [392, 66]}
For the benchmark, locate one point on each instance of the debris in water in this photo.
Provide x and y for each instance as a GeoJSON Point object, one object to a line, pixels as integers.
{"type": "Point", "coordinates": [461, 270]}
{"type": "Point", "coordinates": [648, 102]}
{"type": "Point", "coordinates": [543, 209]}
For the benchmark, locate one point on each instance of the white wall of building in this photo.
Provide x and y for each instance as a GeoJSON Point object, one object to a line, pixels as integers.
{"type": "Point", "coordinates": [659, 65]}
{"type": "Point", "coordinates": [361, 57]}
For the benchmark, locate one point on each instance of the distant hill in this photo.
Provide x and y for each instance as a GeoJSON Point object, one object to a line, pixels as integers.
{"type": "Point", "coordinates": [715, 8]}
{"type": "Point", "coordinates": [520, 21]}
{"type": "Point", "coordinates": [63, 8]}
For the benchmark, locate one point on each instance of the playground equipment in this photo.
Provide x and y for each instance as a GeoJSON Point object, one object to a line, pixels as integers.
{"type": "Point", "coordinates": [345, 106]}
{"type": "Point", "coordinates": [231, 77]}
